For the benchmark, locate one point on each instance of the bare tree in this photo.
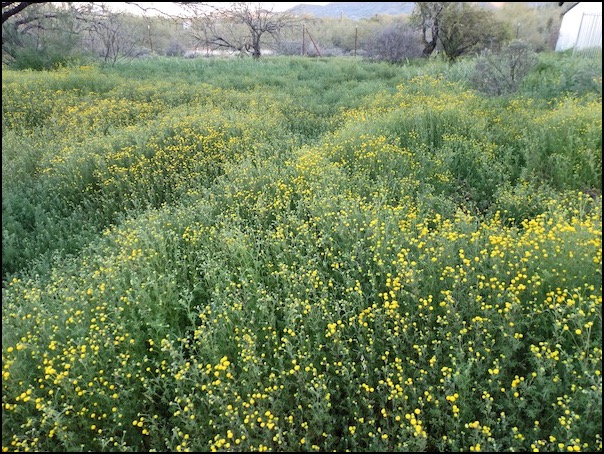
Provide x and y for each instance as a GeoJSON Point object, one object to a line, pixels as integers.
{"type": "Point", "coordinates": [503, 72]}
{"type": "Point", "coordinates": [110, 36]}
{"type": "Point", "coordinates": [239, 27]}
{"type": "Point", "coordinates": [394, 43]}
{"type": "Point", "coordinates": [48, 30]}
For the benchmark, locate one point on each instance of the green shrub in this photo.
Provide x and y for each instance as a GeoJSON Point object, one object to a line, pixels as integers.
{"type": "Point", "coordinates": [558, 74]}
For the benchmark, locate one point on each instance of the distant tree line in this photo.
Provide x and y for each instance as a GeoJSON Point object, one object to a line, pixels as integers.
{"type": "Point", "coordinates": [45, 35]}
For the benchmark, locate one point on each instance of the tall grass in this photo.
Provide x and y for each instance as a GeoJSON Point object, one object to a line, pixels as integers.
{"type": "Point", "coordinates": [297, 255]}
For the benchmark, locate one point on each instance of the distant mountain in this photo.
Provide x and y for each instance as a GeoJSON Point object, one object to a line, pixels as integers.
{"type": "Point", "coordinates": [497, 5]}
{"type": "Point", "coordinates": [366, 10]}
{"type": "Point", "coordinates": [353, 10]}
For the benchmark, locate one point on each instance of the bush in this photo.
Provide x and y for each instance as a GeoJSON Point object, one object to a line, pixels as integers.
{"type": "Point", "coordinates": [48, 58]}
{"type": "Point", "coordinates": [289, 48]}
{"type": "Point", "coordinates": [502, 73]}
{"type": "Point", "coordinates": [560, 73]}
{"type": "Point", "coordinates": [175, 49]}
{"type": "Point", "coordinates": [394, 44]}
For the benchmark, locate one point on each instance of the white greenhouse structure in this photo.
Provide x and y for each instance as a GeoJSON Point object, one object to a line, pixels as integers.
{"type": "Point", "coordinates": [581, 28]}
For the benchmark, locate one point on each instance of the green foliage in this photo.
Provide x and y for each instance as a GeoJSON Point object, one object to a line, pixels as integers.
{"type": "Point", "coordinates": [41, 37]}
{"type": "Point", "coordinates": [465, 30]}
{"type": "Point", "coordinates": [47, 58]}
{"type": "Point", "coordinates": [537, 25]}
{"type": "Point", "coordinates": [563, 73]}
{"type": "Point", "coordinates": [458, 28]}
{"type": "Point", "coordinates": [298, 255]}
{"type": "Point", "coordinates": [48, 35]}
{"type": "Point", "coordinates": [564, 147]}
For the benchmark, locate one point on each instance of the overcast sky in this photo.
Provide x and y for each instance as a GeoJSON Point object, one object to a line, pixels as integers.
{"type": "Point", "coordinates": [170, 8]}
{"type": "Point", "coordinates": [282, 6]}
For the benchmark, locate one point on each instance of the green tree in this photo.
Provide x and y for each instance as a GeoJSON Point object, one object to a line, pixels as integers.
{"type": "Point", "coordinates": [427, 17]}
{"type": "Point", "coordinates": [10, 9]}
{"type": "Point", "coordinates": [466, 29]}
{"type": "Point", "coordinates": [38, 35]}
{"type": "Point", "coordinates": [48, 34]}
{"type": "Point", "coordinates": [458, 27]}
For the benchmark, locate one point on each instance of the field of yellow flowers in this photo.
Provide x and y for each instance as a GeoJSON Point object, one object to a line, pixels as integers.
{"type": "Point", "coordinates": [300, 255]}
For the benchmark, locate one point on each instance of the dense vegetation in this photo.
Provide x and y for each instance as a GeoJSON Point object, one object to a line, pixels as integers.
{"type": "Point", "coordinates": [293, 254]}
{"type": "Point", "coordinates": [47, 35]}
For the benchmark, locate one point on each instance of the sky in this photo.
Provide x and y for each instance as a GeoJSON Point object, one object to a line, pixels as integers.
{"type": "Point", "coordinates": [170, 8]}
{"type": "Point", "coordinates": [283, 6]}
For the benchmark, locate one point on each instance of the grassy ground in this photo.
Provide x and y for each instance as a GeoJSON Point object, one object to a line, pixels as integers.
{"type": "Point", "coordinates": [294, 254]}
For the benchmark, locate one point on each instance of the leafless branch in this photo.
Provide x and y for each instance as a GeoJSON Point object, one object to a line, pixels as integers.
{"type": "Point", "coordinates": [9, 9]}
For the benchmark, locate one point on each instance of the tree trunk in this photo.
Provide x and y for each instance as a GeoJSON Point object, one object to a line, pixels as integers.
{"type": "Point", "coordinates": [428, 49]}
{"type": "Point", "coordinates": [430, 45]}
{"type": "Point", "coordinates": [256, 46]}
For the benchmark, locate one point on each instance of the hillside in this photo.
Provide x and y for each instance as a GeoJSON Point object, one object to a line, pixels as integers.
{"type": "Point", "coordinates": [354, 10]}
{"type": "Point", "coordinates": [366, 10]}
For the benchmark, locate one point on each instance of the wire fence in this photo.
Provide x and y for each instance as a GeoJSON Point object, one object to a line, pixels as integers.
{"type": "Point", "coordinates": [589, 38]}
